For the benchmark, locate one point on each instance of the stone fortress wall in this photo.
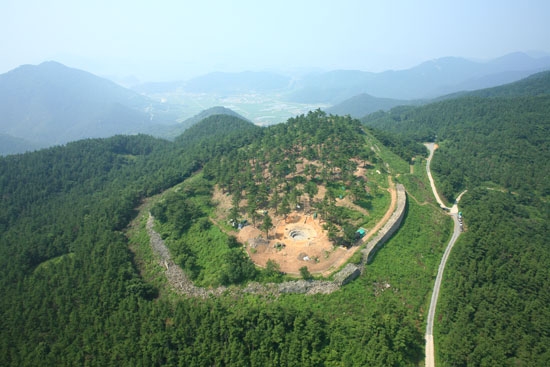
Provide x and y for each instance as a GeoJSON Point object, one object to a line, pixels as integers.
{"type": "Point", "coordinates": [389, 228]}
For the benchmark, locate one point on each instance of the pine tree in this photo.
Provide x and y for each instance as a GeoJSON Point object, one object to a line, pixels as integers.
{"type": "Point", "coordinates": [267, 224]}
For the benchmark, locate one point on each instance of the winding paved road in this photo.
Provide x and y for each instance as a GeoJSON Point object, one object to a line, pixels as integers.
{"type": "Point", "coordinates": [430, 360]}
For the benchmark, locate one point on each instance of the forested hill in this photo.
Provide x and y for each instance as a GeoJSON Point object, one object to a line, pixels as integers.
{"type": "Point", "coordinates": [502, 140]}
{"type": "Point", "coordinates": [215, 125]}
{"type": "Point", "coordinates": [58, 186]}
{"type": "Point", "coordinates": [173, 131]}
{"type": "Point", "coordinates": [73, 294]}
{"type": "Point", "coordinates": [363, 104]}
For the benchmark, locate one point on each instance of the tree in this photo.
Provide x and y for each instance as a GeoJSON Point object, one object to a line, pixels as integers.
{"type": "Point", "coordinates": [251, 210]}
{"type": "Point", "coordinates": [285, 206]}
{"type": "Point", "coordinates": [267, 224]}
{"type": "Point", "coordinates": [349, 235]}
{"type": "Point", "coordinates": [274, 201]}
{"type": "Point", "coordinates": [272, 268]}
{"type": "Point", "coordinates": [237, 196]}
{"type": "Point", "coordinates": [262, 195]}
{"type": "Point", "coordinates": [234, 213]}
{"type": "Point", "coordinates": [237, 268]}
{"type": "Point", "coordinates": [304, 272]}
{"type": "Point", "coordinates": [329, 195]}
{"type": "Point", "coordinates": [357, 190]}
{"type": "Point", "coordinates": [311, 190]}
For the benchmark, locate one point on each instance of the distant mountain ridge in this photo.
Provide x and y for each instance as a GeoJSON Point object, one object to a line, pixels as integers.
{"type": "Point", "coordinates": [53, 104]}
{"type": "Point", "coordinates": [427, 80]}
{"type": "Point", "coordinates": [415, 122]}
{"type": "Point", "coordinates": [12, 145]}
{"type": "Point", "coordinates": [533, 85]}
{"type": "Point", "coordinates": [363, 104]}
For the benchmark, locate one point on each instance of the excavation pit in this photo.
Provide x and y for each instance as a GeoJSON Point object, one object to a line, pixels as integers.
{"type": "Point", "coordinates": [298, 235]}
{"type": "Point", "coordinates": [301, 232]}
{"type": "Point", "coordinates": [294, 243]}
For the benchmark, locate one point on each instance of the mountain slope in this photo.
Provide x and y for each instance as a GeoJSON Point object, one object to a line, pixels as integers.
{"type": "Point", "coordinates": [501, 140]}
{"type": "Point", "coordinates": [493, 308]}
{"type": "Point", "coordinates": [72, 283]}
{"type": "Point", "coordinates": [533, 85]}
{"type": "Point", "coordinates": [427, 80]}
{"type": "Point", "coordinates": [13, 145]}
{"type": "Point", "coordinates": [363, 104]}
{"type": "Point", "coordinates": [52, 104]}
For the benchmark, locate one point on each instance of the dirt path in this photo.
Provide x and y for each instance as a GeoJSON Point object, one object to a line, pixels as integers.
{"type": "Point", "coordinates": [432, 147]}
{"type": "Point", "coordinates": [418, 202]}
{"type": "Point", "coordinates": [389, 212]}
{"type": "Point", "coordinates": [229, 233]}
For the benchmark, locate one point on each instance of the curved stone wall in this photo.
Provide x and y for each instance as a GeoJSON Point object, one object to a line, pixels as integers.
{"type": "Point", "coordinates": [389, 228]}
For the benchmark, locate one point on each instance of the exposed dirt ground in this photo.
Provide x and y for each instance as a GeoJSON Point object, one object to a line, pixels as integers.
{"type": "Point", "coordinates": [310, 241]}
{"type": "Point", "coordinates": [222, 202]}
{"type": "Point", "coordinates": [300, 240]}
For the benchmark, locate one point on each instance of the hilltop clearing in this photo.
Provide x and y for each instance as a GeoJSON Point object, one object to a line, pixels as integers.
{"type": "Point", "coordinates": [294, 198]}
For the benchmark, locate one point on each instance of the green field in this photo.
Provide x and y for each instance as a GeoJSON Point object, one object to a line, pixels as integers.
{"type": "Point", "coordinates": [262, 109]}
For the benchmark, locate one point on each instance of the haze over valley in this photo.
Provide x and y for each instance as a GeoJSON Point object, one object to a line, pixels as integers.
{"type": "Point", "coordinates": [51, 103]}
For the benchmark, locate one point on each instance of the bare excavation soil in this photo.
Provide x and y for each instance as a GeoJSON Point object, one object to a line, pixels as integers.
{"type": "Point", "coordinates": [300, 240]}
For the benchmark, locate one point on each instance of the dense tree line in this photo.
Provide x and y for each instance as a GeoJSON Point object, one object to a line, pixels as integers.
{"type": "Point", "coordinates": [494, 308]}
{"type": "Point", "coordinates": [502, 140]}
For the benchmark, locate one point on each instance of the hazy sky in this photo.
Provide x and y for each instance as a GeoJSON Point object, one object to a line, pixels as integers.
{"type": "Point", "coordinates": [166, 40]}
